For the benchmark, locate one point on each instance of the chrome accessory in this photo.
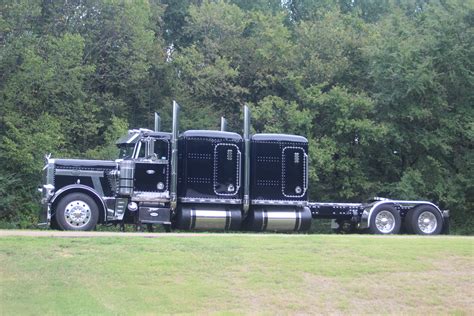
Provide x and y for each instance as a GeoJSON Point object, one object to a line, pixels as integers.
{"type": "Point", "coordinates": [78, 213]}
{"type": "Point", "coordinates": [427, 222]}
{"type": "Point", "coordinates": [132, 206]}
{"type": "Point", "coordinates": [385, 222]}
{"type": "Point", "coordinates": [174, 157]}
{"type": "Point", "coordinates": [247, 159]}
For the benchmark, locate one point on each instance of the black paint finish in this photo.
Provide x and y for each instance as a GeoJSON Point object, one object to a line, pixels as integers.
{"type": "Point", "coordinates": [278, 167]}
{"type": "Point", "coordinates": [210, 165]}
{"type": "Point", "coordinates": [80, 170]}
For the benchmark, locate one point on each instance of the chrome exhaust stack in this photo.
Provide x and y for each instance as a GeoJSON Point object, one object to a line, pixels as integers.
{"type": "Point", "coordinates": [174, 157]}
{"type": "Point", "coordinates": [157, 122]}
{"type": "Point", "coordinates": [247, 159]}
{"type": "Point", "coordinates": [223, 124]}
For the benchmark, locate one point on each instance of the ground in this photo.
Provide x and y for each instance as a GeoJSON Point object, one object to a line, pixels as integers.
{"type": "Point", "coordinates": [235, 274]}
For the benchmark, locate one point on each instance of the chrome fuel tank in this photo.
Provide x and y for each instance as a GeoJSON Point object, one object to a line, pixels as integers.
{"type": "Point", "coordinates": [208, 217]}
{"type": "Point", "coordinates": [279, 219]}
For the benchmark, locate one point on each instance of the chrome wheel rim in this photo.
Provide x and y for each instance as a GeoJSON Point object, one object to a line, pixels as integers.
{"type": "Point", "coordinates": [385, 222]}
{"type": "Point", "coordinates": [427, 222]}
{"type": "Point", "coordinates": [78, 213]}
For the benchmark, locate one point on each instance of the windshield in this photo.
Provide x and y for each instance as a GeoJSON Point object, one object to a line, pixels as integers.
{"type": "Point", "coordinates": [126, 151]}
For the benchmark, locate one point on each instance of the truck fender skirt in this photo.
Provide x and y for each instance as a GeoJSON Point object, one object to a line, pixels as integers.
{"type": "Point", "coordinates": [78, 188]}
{"type": "Point", "coordinates": [369, 210]}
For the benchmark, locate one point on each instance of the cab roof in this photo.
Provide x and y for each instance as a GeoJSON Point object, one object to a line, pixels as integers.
{"type": "Point", "coordinates": [279, 137]}
{"type": "Point", "coordinates": [211, 134]}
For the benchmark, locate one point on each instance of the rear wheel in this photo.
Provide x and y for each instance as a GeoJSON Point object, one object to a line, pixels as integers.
{"type": "Point", "coordinates": [424, 220]}
{"type": "Point", "coordinates": [77, 211]}
{"type": "Point", "coordinates": [385, 220]}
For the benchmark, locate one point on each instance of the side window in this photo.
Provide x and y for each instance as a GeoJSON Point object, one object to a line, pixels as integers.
{"type": "Point", "coordinates": [141, 150]}
{"type": "Point", "coordinates": [161, 149]}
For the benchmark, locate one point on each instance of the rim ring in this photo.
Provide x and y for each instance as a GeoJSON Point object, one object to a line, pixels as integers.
{"type": "Point", "coordinates": [77, 213]}
{"type": "Point", "coordinates": [385, 222]}
{"type": "Point", "coordinates": [427, 222]}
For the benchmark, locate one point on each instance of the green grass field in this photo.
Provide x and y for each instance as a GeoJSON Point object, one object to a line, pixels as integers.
{"type": "Point", "coordinates": [237, 274]}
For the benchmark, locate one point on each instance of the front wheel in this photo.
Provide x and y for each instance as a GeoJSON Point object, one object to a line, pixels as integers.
{"type": "Point", "coordinates": [77, 211]}
{"type": "Point", "coordinates": [385, 220]}
{"type": "Point", "coordinates": [424, 220]}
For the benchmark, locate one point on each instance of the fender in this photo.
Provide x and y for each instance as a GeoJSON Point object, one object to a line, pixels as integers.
{"type": "Point", "coordinates": [80, 187]}
{"type": "Point", "coordinates": [368, 211]}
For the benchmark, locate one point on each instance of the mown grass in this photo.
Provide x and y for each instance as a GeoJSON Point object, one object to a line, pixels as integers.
{"type": "Point", "coordinates": [237, 274]}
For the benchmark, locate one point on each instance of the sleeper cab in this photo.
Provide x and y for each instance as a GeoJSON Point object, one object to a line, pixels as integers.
{"type": "Point", "coordinates": [210, 167]}
{"type": "Point", "coordinates": [279, 169]}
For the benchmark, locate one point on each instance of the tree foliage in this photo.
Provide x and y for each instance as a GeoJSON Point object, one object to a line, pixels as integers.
{"type": "Point", "coordinates": [381, 89]}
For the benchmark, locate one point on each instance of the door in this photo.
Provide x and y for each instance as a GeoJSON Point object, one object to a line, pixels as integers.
{"type": "Point", "coordinates": [226, 178]}
{"type": "Point", "coordinates": [294, 172]}
{"type": "Point", "coordinates": [152, 167]}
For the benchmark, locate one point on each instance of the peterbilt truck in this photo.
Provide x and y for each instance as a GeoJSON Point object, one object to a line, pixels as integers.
{"type": "Point", "coordinates": [213, 180]}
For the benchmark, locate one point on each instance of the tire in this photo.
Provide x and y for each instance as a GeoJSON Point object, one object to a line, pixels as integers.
{"type": "Point", "coordinates": [424, 220]}
{"type": "Point", "coordinates": [385, 220]}
{"type": "Point", "coordinates": [77, 211]}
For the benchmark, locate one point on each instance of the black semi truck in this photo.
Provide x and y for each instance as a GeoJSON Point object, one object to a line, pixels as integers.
{"type": "Point", "coordinates": [212, 180]}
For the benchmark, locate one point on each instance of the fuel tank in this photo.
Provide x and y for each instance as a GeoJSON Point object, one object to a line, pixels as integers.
{"type": "Point", "coordinates": [208, 217]}
{"type": "Point", "coordinates": [278, 219]}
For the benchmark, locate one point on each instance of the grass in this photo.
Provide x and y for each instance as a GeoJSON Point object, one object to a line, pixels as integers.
{"type": "Point", "coordinates": [237, 274]}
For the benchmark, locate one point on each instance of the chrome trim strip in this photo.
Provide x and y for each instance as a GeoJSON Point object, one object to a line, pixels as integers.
{"type": "Point", "coordinates": [335, 205]}
{"type": "Point", "coordinates": [79, 173]}
{"type": "Point", "coordinates": [210, 201]}
{"type": "Point", "coordinates": [279, 202]}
